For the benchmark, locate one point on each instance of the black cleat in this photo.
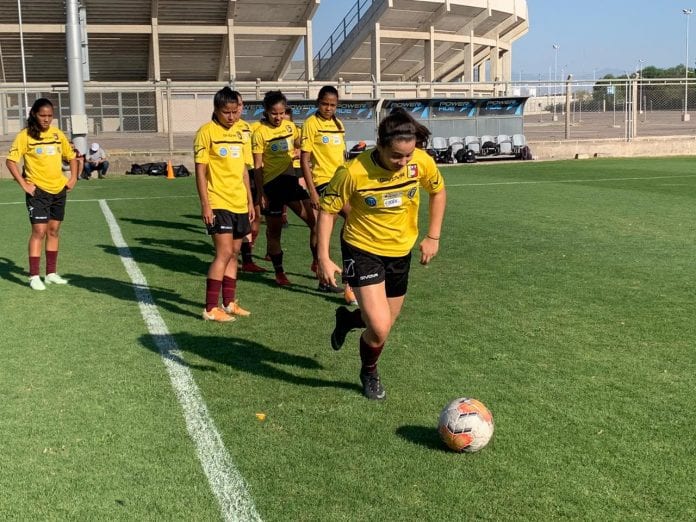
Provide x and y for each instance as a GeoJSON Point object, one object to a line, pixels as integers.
{"type": "Point", "coordinates": [372, 386]}
{"type": "Point", "coordinates": [338, 336]}
{"type": "Point", "coordinates": [330, 289]}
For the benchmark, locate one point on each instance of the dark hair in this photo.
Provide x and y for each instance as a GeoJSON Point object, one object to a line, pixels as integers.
{"type": "Point", "coordinates": [288, 112]}
{"type": "Point", "coordinates": [400, 126]}
{"type": "Point", "coordinates": [33, 127]}
{"type": "Point", "coordinates": [272, 98]}
{"type": "Point", "coordinates": [223, 97]}
{"type": "Point", "coordinates": [331, 90]}
{"type": "Point", "coordinates": [327, 89]}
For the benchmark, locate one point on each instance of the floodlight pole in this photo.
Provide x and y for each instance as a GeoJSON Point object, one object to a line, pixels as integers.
{"type": "Point", "coordinates": [24, 66]}
{"type": "Point", "coordinates": [685, 116]}
{"type": "Point", "coordinates": [78, 113]}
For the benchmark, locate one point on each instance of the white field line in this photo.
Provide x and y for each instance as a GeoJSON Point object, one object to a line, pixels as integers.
{"type": "Point", "coordinates": [94, 200]}
{"type": "Point", "coordinates": [225, 480]}
{"type": "Point", "coordinates": [538, 182]}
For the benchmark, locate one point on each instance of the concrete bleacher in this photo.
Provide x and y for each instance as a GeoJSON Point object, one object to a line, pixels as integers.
{"type": "Point", "coordinates": [133, 40]}
{"type": "Point", "coordinates": [402, 40]}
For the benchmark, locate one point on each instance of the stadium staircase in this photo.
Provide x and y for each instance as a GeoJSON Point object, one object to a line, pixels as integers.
{"type": "Point", "coordinates": [350, 33]}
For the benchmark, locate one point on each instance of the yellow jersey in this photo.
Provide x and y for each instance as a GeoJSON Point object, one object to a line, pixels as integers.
{"type": "Point", "coordinates": [43, 158]}
{"type": "Point", "coordinates": [277, 145]}
{"type": "Point", "coordinates": [325, 139]}
{"type": "Point", "coordinates": [383, 215]}
{"type": "Point", "coordinates": [222, 150]}
{"type": "Point", "coordinates": [246, 131]}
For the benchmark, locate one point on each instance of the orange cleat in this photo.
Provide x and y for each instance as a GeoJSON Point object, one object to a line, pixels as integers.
{"type": "Point", "coordinates": [349, 296]}
{"type": "Point", "coordinates": [234, 309]}
{"type": "Point", "coordinates": [217, 314]}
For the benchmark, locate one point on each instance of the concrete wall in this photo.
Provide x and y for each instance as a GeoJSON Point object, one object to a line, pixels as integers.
{"type": "Point", "coordinates": [121, 160]}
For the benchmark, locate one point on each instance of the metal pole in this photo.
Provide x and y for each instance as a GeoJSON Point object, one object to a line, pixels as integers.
{"type": "Point", "coordinates": [686, 116]}
{"type": "Point", "coordinates": [24, 66]}
{"type": "Point", "coordinates": [170, 111]}
{"type": "Point", "coordinates": [76, 88]}
{"type": "Point", "coordinates": [556, 47]}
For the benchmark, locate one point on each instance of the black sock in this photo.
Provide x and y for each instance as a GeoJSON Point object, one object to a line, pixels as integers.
{"type": "Point", "coordinates": [246, 253]}
{"type": "Point", "coordinates": [277, 260]}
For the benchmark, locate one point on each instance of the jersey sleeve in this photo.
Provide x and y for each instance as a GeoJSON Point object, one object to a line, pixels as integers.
{"type": "Point", "coordinates": [338, 191]}
{"type": "Point", "coordinates": [308, 131]}
{"type": "Point", "coordinates": [18, 148]}
{"type": "Point", "coordinates": [67, 151]}
{"type": "Point", "coordinates": [258, 144]}
{"type": "Point", "coordinates": [201, 147]}
{"type": "Point", "coordinates": [431, 179]}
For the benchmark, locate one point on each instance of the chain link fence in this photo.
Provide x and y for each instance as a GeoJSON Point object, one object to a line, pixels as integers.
{"type": "Point", "coordinates": [168, 113]}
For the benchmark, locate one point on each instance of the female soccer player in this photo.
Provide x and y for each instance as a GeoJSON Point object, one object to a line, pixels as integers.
{"type": "Point", "coordinates": [227, 207]}
{"type": "Point", "coordinates": [43, 148]}
{"type": "Point", "coordinates": [381, 185]}
{"type": "Point", "coordinates": [323, 149]}
{"type": "Point", "coordinates": [245, 128]}
{"type": "Point", "coordinates": [274, 142]}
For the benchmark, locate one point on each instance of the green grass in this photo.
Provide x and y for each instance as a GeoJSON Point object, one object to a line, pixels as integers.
{"type": "Point", "coordinates": [562, 297]}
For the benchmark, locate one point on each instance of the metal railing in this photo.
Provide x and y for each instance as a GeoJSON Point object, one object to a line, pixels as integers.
{"type": "Point", "coordinates": [340, 34]}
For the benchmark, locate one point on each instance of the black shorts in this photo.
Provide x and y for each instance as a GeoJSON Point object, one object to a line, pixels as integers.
{"type": "Point", "coordinates": [282, 190]}
{"type": "Point", "coordinates": [227, 222]}
{"type": "Point", "coordinates": [44, 206]}
{"type": "Point", "coordinates": [362, 268]}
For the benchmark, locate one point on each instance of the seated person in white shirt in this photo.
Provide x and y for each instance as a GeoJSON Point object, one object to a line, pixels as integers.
{"type": "Point", "coordinates": [95, 159]}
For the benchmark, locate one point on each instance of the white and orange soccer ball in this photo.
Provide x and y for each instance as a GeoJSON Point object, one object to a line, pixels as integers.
{"type": "Point", "coordinates": [465, 425]}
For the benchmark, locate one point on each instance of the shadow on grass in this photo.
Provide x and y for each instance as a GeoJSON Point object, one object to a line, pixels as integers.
{"type": "Point", "coordinates": [426, 436]}
{"type": "Point", "coordinates": [163, 297]}
{"type": "Point", "coordinates": [173, 224]}
{"type": "Point", "coordinates": [242, 355]}
{"type": "Point", "coordinates": [11, 271]}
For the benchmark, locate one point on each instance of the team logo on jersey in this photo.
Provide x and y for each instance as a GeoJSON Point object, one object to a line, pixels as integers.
{"type": "Point", "coordinates": [222, 152]}
{"type": "Point", "coordinates": [412, 193]}
{"type": "Point", "coordinates": [39, 150]}
{"type": "Point", "coordinates": [412, 171]}
{"type": "Point", "coordinates": [349, 267]}
{"type": "Point", "coordinates": [55, 136]}
{"type": "Point", "coordinates": [288, 128]}
{"type": "Point", "coordinates": [325, 140]}
{"type": "Point", "coordinates": [370, 201]}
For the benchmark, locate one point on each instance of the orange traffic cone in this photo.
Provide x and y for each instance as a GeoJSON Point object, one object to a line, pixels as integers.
{"type": "Point", "coordinates": [170, 170]}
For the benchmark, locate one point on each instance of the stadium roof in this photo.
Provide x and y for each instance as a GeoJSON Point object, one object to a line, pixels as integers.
{"type": "Point", "coordinates": [438, 40]}
{"type": "Point", "coordinates": [136, 40]}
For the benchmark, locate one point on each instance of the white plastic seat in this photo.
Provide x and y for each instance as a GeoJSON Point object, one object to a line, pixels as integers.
{"type": "Point", "coordinates": [472, 143]}
{"type": "Point", "coordinates": [504, 144]}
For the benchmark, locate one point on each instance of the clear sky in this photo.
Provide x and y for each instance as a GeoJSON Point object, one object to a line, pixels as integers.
{"type": "Point", "coordinates": [595, 36]}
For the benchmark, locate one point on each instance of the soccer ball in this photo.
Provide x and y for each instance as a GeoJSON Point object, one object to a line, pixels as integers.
{"type": "Point", "coordinates": [465, 425]}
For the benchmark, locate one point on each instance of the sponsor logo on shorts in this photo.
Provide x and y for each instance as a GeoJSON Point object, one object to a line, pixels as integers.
{"type": "Point", "coordinates": [368, 276]}
{"type": "Point", "coordinates": [370, 201]}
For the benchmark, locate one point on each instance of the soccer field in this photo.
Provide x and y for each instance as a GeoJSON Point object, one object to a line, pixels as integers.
{"type": "Point", "coordinates": [563, 297]}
